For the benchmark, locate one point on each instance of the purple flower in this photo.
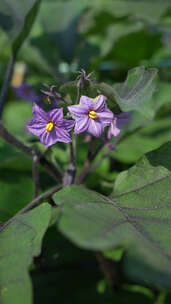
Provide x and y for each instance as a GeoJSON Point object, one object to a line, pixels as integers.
{"type": "Point", "coordinates": [91, 115]}
{"type": "Point", "coordinates": [116, 124]}
{"type": "Point", "coordinates": [50, 126]}
{"type": "Point", "coordinates": [26, 92]}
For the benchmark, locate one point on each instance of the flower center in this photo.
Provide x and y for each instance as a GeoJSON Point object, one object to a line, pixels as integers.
{"type": "Point", "coordinates": [49, 126]}
{"type": "Point", "coordinates": [92, 114]}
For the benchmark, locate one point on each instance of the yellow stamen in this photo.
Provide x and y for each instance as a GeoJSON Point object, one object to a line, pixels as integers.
{"type": "Point", "coordinates": [92, 114]}
{"type": "Point", "coordinates": [49, 126]}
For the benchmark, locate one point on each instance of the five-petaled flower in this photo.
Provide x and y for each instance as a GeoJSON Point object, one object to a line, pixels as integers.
{"type": "Point", "coordinates": [91, 115]}
{"type": "Point", "coordinates": [50, 126]}
{"type": "Point", "coordinates": [116, 124]}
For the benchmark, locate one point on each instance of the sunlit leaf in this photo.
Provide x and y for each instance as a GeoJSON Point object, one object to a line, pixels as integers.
{"type": "Point", "coordinates": [137, 90]}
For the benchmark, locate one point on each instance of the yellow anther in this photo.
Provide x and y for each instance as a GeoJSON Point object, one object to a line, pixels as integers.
{"type": "Point", "coordinates": [92, 114]}
{"type": "Point", "coordinates": [49, 126]}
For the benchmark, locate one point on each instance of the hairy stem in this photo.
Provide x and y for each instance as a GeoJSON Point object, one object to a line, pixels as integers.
{"type": "Point", "coordinates": [6, 82]}
{"type": "Point", "coordinates": [32, 204]}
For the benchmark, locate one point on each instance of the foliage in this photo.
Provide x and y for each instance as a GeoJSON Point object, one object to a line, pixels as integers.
{"type": "Point", "coordinates": [87, 221]}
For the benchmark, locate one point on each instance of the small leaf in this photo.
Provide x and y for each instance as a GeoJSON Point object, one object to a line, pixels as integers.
{"type": "Point", "coordinates": [137, 90]}
{"type": "Point", "coordinates": [19, 243]}
{"type": "Point", "coordinates": [28, 22]}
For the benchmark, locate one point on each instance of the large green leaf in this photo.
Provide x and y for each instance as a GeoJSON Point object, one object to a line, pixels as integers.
{"type": "Point", "coordinates": [137, 90]}
{"type": "Point", "coordinates": [137, 217]}
{"type": "Point", "coordinates": [19, 243]}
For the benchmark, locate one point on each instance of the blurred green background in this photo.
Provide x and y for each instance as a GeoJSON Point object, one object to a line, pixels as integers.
{"type": "Point", "coordinates": [109, 38]}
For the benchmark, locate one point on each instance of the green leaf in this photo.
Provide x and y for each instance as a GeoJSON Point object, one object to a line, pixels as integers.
{"type": "Point", "coordinates": [138, 217]}
{"type": "Point", "coordinates": [16, 19]}
{"type": "Point", "coordinates": [147, 138]}
{"type": "Point", "coordinates": [16, 114]}
{"type": "Point", "coordinates": [28, 22]}
{"type": "Point", "coordinates": [16, 183]}
{"type": "Point", "coordinates": [137, 90]}
{"type": "Point", "coordinates": [20, 242]}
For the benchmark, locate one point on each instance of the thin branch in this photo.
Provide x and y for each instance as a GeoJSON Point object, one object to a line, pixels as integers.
{"type": "Point", "coordinates": [35, 174]}
{"type": "Point", "coordinates": [79, 179]}
{"type": "Point", "coordinates": [6, 82]}
{"type": "Point", "coordinates": [110, 270]}
{"type": "Point", "coordinates": [11, 139]}
{"type": "Point", "coordinates": [69, 175]}
{"type": "Point", "coordinates": [78, 93]}
{"type": "Point", "coordinates": [98, 163]}
{"type": "Point", "coordinates": [90, 157]}
{"type": "Point", "coordinates": [32, 204]}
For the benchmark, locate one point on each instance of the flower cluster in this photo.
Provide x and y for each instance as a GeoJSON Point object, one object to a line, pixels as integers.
{"type": "Point", "coordinates": [90, 115]}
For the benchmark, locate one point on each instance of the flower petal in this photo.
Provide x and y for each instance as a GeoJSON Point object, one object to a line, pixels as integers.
{"type": "Point", "coordinates": [82, 124]}
{"type": "Point", "coordinates": [67, 124]}
{"type": "Point", "coordinates": [105, 117]}
{"type": "Point", "coordinates": [48, 138]}
{"type": "Point", "coordinates": [86, 101]}
{"type": "Point", "coordinates": [62, 135]}
{"type": "Point", "coordinates": [78, 110]}
{"type": "Point", "coordinates": [113, 129]}
{"type": "Point", "coordinates": [99, 103]}
{"type": "Point", "coordinates": [95, 127]}
{"type": "Point", "coordinates": [36, 127]}
{"type": "Point", "coordinates": [55, 115]}
{"type": "Point", "coordinates": [39, 114]}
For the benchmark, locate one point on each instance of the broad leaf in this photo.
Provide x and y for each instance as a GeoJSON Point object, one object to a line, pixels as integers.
{"type": "Point", "coordinates": [137, 217]}
{"type": "Point", "coordinates": [137, 90]}
{"type": "Point", "coordinates": [19, 243]}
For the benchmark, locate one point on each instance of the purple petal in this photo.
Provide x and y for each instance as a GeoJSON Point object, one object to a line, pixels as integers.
{"type": "Point", "coordinates": [113, 130]}
{"type": "Point", "coordinates": [39, 114]}
{"type": "Point", "coordinates": [36, 127]}
{"type": "Point", "coordinates": [86, 101]}
{"type": "Point", "coordinates": [67, 124]}
{"type": "Point", "coordinates": [55, 115]}
{"type": "Point", "coordinates": [95, 128]}
{"type": "Point", "coordinates": [48, 138]}
{"type": "Point", "coordinates": [62, 135]}
{"type": "Point", "coordinates": [99, 103]}
{"type": "Point", "coordinates": [78, 110]}
{"type": "Point", "coordinates": [106, 117]}
{"type": "Point", "coordinates": [82, 124]}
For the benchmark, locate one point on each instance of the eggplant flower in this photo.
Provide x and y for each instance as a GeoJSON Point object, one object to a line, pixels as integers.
{"type": "Point", "coordinates": [50, 126]}
{"type": "Point", "coordinates": [91, 115]}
